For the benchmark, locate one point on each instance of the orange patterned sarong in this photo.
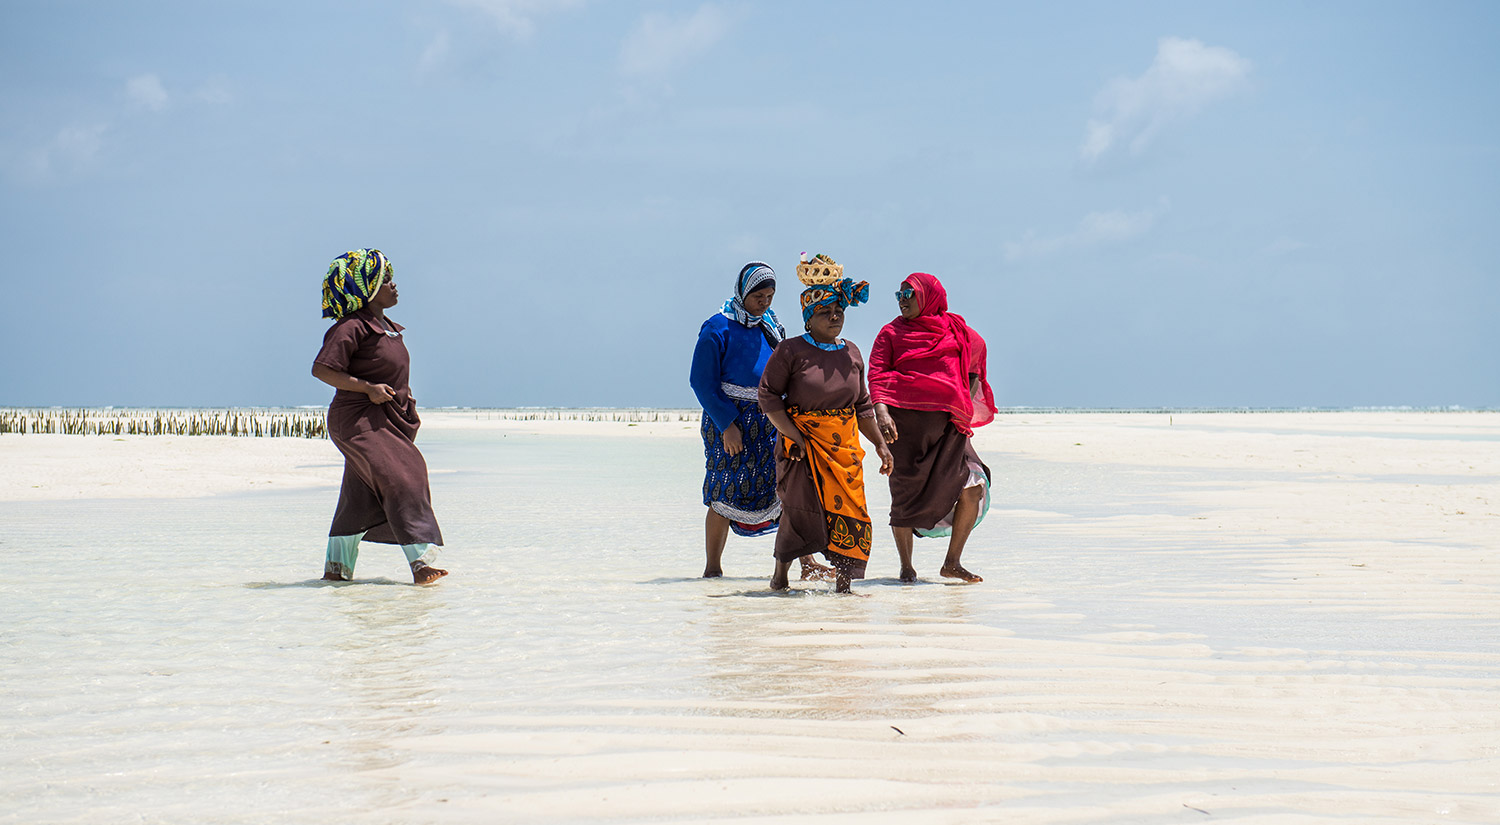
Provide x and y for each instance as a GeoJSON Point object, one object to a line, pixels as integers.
{"type": "Point", "coordinates": [836, 459]}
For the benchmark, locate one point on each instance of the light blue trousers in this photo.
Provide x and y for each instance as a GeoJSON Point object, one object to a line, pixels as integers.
{"type": "Point", "coordinates": [343, 552]}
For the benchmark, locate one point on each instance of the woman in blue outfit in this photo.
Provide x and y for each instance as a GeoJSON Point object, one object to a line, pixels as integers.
{"type": "Point", "coordinates": [739, 444]}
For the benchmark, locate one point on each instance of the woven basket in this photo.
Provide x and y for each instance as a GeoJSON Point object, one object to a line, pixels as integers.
{"type": "Point", "coordinates": [819, 273]}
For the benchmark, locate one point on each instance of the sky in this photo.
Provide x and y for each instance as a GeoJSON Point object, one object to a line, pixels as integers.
{"type": "Point", "coordinates": [1145, 204]}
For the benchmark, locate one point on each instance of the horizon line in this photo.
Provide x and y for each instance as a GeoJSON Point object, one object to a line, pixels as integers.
{"type": "Point", "coordinates": [1009, 410]}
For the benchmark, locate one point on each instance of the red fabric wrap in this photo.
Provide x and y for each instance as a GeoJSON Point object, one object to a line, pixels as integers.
{"type": "Point", "coordinates": [924, 363]}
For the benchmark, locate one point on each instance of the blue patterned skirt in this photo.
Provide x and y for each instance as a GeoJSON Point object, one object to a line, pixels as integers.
{"type": "Point", "coordinates": [742, 488]}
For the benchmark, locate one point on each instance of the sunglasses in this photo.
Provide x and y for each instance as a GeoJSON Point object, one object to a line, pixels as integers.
{"type": "Point", "coordinates": [903, 294]}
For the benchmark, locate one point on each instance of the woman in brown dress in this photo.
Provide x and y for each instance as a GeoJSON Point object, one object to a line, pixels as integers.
{"type": "Point", "coordinates": [373, 421]}
{"type": "Point", "coordinates": [929, 384]}
{"type": "Point", "coordinates": [813, 391]}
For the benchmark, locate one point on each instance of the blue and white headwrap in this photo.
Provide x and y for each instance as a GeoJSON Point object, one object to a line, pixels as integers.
{"type": "Point", "coordinates": [844, 293]}
{"type": "Point", "coordinates": [753, 276]}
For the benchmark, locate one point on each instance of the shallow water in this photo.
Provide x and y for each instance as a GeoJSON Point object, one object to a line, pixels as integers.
{"type": "Point", "coordinates": [180, 661]}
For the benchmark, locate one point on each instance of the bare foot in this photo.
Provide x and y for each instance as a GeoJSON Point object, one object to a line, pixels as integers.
{"type": "Point", "coordinates": [841, 583]}
{"type": "Point", "coordinates": [957, 571]}
{"type": "Point", "coordinates": [908, 574]}
{"type": "Point", "coordinates": [713, 572]}
{"type": "Point", "coordinates": [335, 572]}
{"type": "Point", "coordinates": [779, 580]}
{"type": "Point", "coordinates": [423, 574]}
{"type": "Point", "coordinates": [814, 572]}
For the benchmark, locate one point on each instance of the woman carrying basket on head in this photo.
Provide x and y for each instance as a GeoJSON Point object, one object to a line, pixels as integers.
{"type": "Point", "coordinates": [813, 390]}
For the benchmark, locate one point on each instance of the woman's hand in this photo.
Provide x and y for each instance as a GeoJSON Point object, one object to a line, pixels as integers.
{"type": "Point", "coordinates": [870, 428]}
{"type": "Point", "coordinates": [734, 442]}
{"type": "Point", "coordinates": [884, 421]}
{"type": "Point", "coordinates": [380, 393]}
{"type": "Point", "coordinates": [797, 450]}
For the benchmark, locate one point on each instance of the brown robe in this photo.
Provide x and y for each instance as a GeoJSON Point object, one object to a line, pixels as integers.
{"type": "Point", "coordinates": [932, 467]}
{"type": "Point", "coordinates": [385, 493]}
{"type": "Point", "coordinates": [799, 374]}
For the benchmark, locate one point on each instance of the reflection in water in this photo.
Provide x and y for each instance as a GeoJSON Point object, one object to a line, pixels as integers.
{"type": "Point", "coordinates": [823, 658]}
{"type": "Point", "coordinates": [380, 652]}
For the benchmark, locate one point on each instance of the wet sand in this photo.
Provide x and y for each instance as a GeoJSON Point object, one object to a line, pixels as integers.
{"type": "Point", "coordinates": [1259, 618]}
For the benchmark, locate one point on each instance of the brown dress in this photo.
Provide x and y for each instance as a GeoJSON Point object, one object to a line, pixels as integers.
{"type": "Point", "coordinates": [799, 374]}
{"type": "Point", "coordinates": [932, 467]}
{"type": "Point", "coordinates": [385, 493]}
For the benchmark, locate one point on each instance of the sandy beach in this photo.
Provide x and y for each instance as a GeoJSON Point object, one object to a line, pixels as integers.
{"type": "Point", "coordinates": [1257, 618]}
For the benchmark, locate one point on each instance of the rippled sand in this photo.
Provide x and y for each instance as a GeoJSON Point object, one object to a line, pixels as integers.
{"type": "Point", "coordinates": [1251, 618]}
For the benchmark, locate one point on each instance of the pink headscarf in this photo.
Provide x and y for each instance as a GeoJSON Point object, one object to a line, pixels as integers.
{"type": "Point", "coordinates": [924, 363]}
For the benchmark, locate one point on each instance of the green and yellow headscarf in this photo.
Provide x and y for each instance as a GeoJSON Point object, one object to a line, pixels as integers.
{"type": "Point", "coordinates": [352, 280]}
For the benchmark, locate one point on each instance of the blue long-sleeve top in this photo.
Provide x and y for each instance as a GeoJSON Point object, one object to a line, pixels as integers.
{"type": "Point", "coordinates": [728, 352]}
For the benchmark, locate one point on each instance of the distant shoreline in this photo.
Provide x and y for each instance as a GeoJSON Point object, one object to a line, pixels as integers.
{"type": "Point", "coordinates": [588, 411]}
{"type": "Point", "coordinates": [146, 464]}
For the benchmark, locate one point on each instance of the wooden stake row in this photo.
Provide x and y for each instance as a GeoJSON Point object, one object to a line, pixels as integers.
{"type": "Point", "coordinates": [251, 423]}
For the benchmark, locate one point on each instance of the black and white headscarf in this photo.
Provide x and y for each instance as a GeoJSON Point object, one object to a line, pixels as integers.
{"type": "Point", "coordinates": [755, 275]}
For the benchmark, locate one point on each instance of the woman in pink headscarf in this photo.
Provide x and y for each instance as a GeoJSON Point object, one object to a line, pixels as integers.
{"type": "Point", "coordinates": [930, 387]}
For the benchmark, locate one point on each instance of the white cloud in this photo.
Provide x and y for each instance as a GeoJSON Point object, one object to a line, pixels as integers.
{"type": "Point", "coordinates": [517, 18]}
{"type": "Point", "coordinates": [74, 149]}
{"type": "Point", "coordinates": [1185, 76]}
{"type": "Point", "coordinates": [661, 43]}
{"type": "Point", "coordinates": [146, 90]}
{"type": "Point", "coordinates": [70, 150]}
{"type": "Point", "coordinates": [1095, 229]}
{"type": "Point", "coordinates": [435, 53]}
{"type": "Point", "coordinates": [215, 91]}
